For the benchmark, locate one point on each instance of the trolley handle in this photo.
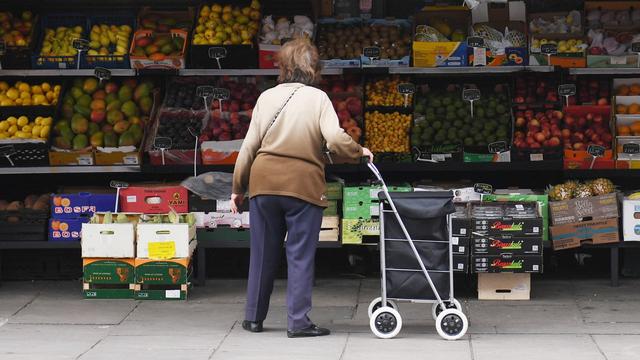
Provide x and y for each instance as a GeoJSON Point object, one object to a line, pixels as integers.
{"type": "Point", "coordinates": [375, 171]}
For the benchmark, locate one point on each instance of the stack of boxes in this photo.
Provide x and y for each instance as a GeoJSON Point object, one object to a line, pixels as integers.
{"type": "Point", "coordinates": [216, 222]}
{"type": "Point", "coordinates": [70, 211]}
{"type": "Point", "coordinates": [137, 259]}
{"type": "Point", "coordinates": [330, 229]}
{"type": "Point", "coordinates": [361, 212]}
{"type": "Point", "coordinates": [461, 238]}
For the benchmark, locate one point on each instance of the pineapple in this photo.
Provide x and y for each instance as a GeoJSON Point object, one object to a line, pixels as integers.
{"type": "Point", "coordinates": [602, 186]}
{"type": "Point", "coordinates": [560, 192]}
{"type": "Point", "coordinates": [582, 191]}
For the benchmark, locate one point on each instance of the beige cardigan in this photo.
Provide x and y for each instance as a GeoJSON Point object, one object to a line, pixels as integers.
{"type": "Point", "coordinates": [289, 161]}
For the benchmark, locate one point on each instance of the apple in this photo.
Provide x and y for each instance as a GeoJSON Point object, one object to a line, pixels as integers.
{"type": "Point", "coordinates": [566, 133]}
{"type": "Point", "coordinates": [578, 146]}
{"type": "Point", "coordinates": [540, 137]}
{"type": "Point", "coordinates": [520, 122]}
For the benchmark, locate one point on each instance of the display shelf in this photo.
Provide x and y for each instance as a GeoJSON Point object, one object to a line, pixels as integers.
{"type": "Point", "coordinates": [604, 71]}
{"type": "Point", "coordinates": [540, 68]}
{"type": "Point", "coordinates": [245, 72]}
{"type": "Point", "coordinates": [24, 245]}
{"type": "Point", "coordinates": [466, 70]}
{"type": "Point", "coordinates": [69, 170]}
{"type": "Point", "coordinates": [64, 72]}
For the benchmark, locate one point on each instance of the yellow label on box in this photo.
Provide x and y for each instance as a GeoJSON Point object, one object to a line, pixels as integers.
{"type": "Point", "coordinates": [162, 250]}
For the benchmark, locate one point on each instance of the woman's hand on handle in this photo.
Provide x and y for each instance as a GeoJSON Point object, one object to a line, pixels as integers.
{"type": "Point", "coordinates": [367, 153]}
{"type": "Point", "coordinates": [236, 202]}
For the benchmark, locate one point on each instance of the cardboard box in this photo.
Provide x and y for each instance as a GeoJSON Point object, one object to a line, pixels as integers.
{"type": "Point", "coordinates": [499, 245]}
{"type": "Point", "coordinates": [65, 206]}
{"type": "Point", "coordinates": [570, 236]}
{"type": "Point", "coordinates": [631, 220]}
{"type": "Point", "coordinates": [541, 199]}
{"type": "Point", "coordinates": [357, 194]}
{"type": "Point", "coordinates": [361, 210]}
{"type": "Point", "coordinates": [506, 263]}
{"type": "Point", "coordinates": [58, 157]}
{"type": "Point", "coordinates": [198, 204]}
{"type": "Point", "coordinates": [441, 54]}
{"type": "Point", "coordinates": [108, 241]}
{"type": "Point", "coordinates": [162, 272]}
{"type": "Point", "coordinates": [499, 16]}
{"type": "Point", "coordinates": [501, 226]}
{"type": "Point", "coordinates": [465, 195]}
{"type": "Point", "coordinates": [504, 286]}
{"type": "Point", "coordinates": [331, 209]}
{"type": "Point", "coordinates": [334, 191]}
{"type": "Point", "coordinates": [165, 241]}
{"type": "Point", "coordinates": [461, 263]}
{"type": "Point", "coordinates": [460, 246]}
{"type": "Point", "coordinates": [220, 152]}
{"type": "Point", "coordinates": [240, 236]}
{"type": "Point", "coordinates": [354, 230]}
{"type": "Point", "coordinates": [154, 200]}
{"type": "Point", "coordinates": [213, 220]}
{"type": "Point", "coordinates": [108, 271]}
{"type": "Point", "coordinates": [590, 208]}
{"type": "Point", "coordinates": [66, 229]}
{"type": "Point", "coordinates": [142, 292]}
{"type": "Point", "coordinates": [405, 26]}
{"type": "Point", "coordinates": [167, 62]}
{"type": "Point", "coordinates": [107, 291]}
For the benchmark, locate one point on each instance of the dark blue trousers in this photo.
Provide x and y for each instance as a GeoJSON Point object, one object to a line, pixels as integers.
{"type": "Point", "coordinates": [271, 218]}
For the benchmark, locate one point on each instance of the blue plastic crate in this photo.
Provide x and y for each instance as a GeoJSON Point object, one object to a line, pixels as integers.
{"type": "Point", "coordinates": [110, 61]}
{"type": "Point", "coordinates": [53, 21]}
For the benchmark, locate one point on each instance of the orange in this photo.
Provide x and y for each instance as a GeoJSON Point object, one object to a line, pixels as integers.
{"type": "Point", "coordinates": [634, 109]}
{"type": "Point", "coordinates": [623, 90]}
{"type": "Point", "coordinates": [635, 89]}
{"type": "Point", "coordinates": [621, 109]}
{"type": "Point", "coordinates": [624, 130]}
{"type": "Point", "coordinates": [64, 226]}
{"type": "Point", "coordinates": [65, 202]}
{"type": "Point", "coordinates": [55, 225]}
{"type": "Point", "coordinates": [635, 128]}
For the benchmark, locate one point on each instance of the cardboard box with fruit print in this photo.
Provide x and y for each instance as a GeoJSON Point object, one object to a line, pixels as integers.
{"type": "Point", "coordinates": [105, 278]}
{"type": "Point", "coordinates": [66, 229]}
{"type": "Point", "coordinates": [163, 51]}
{"type": "Point", "coordinates": [162, 279]}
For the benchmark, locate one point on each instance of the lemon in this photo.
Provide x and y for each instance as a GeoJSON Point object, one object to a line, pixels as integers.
{"type": "Point", "coordinates": [12, 129]}
{"type": "Point", "coordinates": [24, 87]}
{"type": "Point", "coordinates": [27, 129]}
{"type": "Point", "coordinates": [35, 132]}
{"type": "Point", "coordinates": [12, 120]}
{"type": "Point", "coordinates": [18, 101]}
{"type": "Point", "coordinates": [57, 88]}
{"type": "Point", "coordinates": [44, 132]}
{"type": "Point", "coordinates": [47, 121]}
{"type": "Point", "coordinates": [36, 89]}
{"type": "Point", "coordinates": [45, 87]}
{"type": "Point", "coordinates": [4, 125]}
{"type": "Point", "coordinates": [7, 102]}
{"type": "Point", "coordinates": [23, 120]}
{"type": "Point", "coordinates": [13, 94]}
{"type": "Point", "coordinates": [50, 96]}
{"type": "Point", "coordinates": [22, 135]}
{"type": "Point", "coordinates": [3, 136]}
{"type": "Point", "coordinates": [4, 86]}
{"type": "Point", "coordinates": [39, 99]}
{"type": "Point", "coordinates": [26, 102]}
{"type": "Point", "coordinates": [25, 95]}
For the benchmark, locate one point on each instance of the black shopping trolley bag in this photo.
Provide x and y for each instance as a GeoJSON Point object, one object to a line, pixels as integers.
{"type": "Point", "coordinates": [424, 214]}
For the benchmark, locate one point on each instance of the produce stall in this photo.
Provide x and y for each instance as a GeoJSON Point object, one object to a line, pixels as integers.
{"type": "Point", "coordinates": [533, 108]}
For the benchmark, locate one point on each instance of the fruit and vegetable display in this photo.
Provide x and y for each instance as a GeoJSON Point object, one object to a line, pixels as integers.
{"type": "Point", "coordinates": [346, 40]}
{"type": "Point", "coordinates": [446, 119]}
{"type": "Point", "coordinates": [567, 46]}
{"type": "Point", "coordinates": [275, 32]}
{"type": "Point", "coordinates": [571, 23]}
{"type": "Point", "coordinates": [628, 90]}
{"type": "Point", "coordinates": [182, 94]}
{"type": "Point", "coordinates": [595, 91]}
{"type": "Point", "coordinates": [439, 31]}
{"type": "Point", "coordinates": [498, 40]}
{"type": "Point", "coordinates": [24, 128]}
{"type": "Point", "coordinates": [387, 132]}
{"type": "Point", "coordinates": [107, 39]}
{"type": "Point", "coordinates": [226, 126]}
{"type": "Point", "coordinates": [346, 98]}
{"type": "Point", "coordinates": [31, 202]}
{"type": "Point", "coordinates": [227, 25]}
{"type": "Point", "coordinates": [575, 190]}
{"type": "Point", "coordinates": [536, 129]}
{"type": "Point", "coordinates": [242, 96]}
{"type": "Point", "coordinates": [531, 89]}
{"type": "Point", "coordinates": [584, 129]}
{"type": "Point", "coordinates": [109, 114]}
{"type": "Point", "coordinates": [629, 130]}
{"type": "Point", "coordinates": [611, 32]}
{"type": "Point", "coordinates": [157, 46]}
{"type": "Point", "coordinates": [16, 29]}
{"type": "Point", "coordinates": [631, 109]}
{"type": "Point", "coordinates": [384, 92]}
{"type": "Point", "coordinates": [58, 41]}
{"type": "Point", "coordinates": [175, 124]}
{"type": "Point", "coordinates": [25, 94]}
{"type": "Point", "coordinates": [164, 21]}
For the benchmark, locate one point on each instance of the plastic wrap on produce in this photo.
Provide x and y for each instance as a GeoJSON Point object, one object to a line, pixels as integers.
{"type": "Point", "coordinates": [211, 185]}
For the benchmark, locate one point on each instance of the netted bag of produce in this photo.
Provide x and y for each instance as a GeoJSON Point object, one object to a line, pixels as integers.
{"type": "Point", "coordinates": [211, 185]}
{"type": "Point", "coordinates": [493, 39]}
{"type": "Point", "coordinates": [515, 38]}
{"type": "Point", "coordinates": [426, 33]}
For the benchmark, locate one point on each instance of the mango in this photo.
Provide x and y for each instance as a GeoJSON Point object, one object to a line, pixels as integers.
{"type": "Point", "coordinates": [76, 92]}
{"type": "Point", "coordinates": [80, 142]}
{"type": "Point", "coordinates": [90, 85]}
{"type": "Point", "coordinates": [111, 98]}
{"type": "Point", "coordinates": [81, 110]}
{"type": "Point", "coordinates": [143, 90]}
{"type": "Point", "coordinates": [111, 88]}
{"type": "Point", "coordinates": [84, 100]}
{"type": "Point", "coordinates": [93, 128]}
{"type": "Point", "coordinates": [127, 139]}
{"type": "Point", "coordinates": [110, 140]}
{"type": "Point", "coordinates": [114, 116]}
{"type": "Point", "coordinates": [97, 139]}
{"type": "Point", "coordinates": [98, 116]}
{"type": "Point", "coordinates": [114, 105]}
{"type": "Point", "coordinates": [121, 126]}
{"type": "Point", "coordinates": [61, 143]}
{"type": "Point", "coordinates": [63, 124]}
{"type": "Point", "coordinates": [136, 130]}
{"type": "Point", "coordinates": [99, 95]}
{"type": "Point", "coordinates": [98, 104]}
{"type": "Point", "coordinates": [79, 125]}
{"type": "Point", "coordinates": [130, 109]}
{"type": "Point", "coordinates": [125, 93]}
{"type": "Point", "coordinates": [67, 111]}
{"type": "Point", "coordinates": [145, 105]}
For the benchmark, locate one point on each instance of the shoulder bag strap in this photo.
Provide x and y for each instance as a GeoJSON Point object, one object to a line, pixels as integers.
{"type": "Point", "coordinates": [279, 111]}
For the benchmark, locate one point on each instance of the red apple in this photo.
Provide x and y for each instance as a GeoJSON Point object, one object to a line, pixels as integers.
{"type": "Point", "coordinates": [534, 123]}
{"type": "Point", "coordinates": [554, 142]}
{"type": "Point", "coordinates": [582, 122]}
{"type": "Point", "coordinates": [598, 119]}
{"type": "Point", "coordinates": [589, 117]}
{"type": "Point", "coordinates": [566, 133]}
{"type": "Point", "coordinates": [540, 137]}
{"type": "Point", "coordinates": [520, 122]}
{"type": "Point", "coordinates": [603, 101]}
{"type": "Point", "coordinates": [578, 146]}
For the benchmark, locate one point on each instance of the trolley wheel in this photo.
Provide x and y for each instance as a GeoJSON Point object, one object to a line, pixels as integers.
{"type": "Point", "coordinates": [385, 322]}
{"type": "Point", "coordinates": [452, 324]}
{"type": "Point", "coordinates": [436, 309]}
{"type": "Point", "coordinates": [377, 304]}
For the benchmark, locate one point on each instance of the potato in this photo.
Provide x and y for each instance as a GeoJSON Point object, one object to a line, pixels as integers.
{"type": "Point", "coordinates": [3, 205]}
{"type": "Point", "coordinates": [30, 200]}
{"type": "Point", "coordinates": [15, 206]}
{"type": "Point", "coordinates": [41, 205]}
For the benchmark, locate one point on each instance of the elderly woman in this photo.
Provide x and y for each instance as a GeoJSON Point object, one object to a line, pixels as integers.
{"type": "Point", "coordinates": [281, 163]}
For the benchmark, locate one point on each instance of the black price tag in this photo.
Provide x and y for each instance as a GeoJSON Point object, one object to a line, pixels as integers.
{"type": "Point", "coordinates": [596, 150]}
{"type": "Point", "coordinates": [635, 47]}
{"type": "Point", "coordinates": [162, 143]}
{"type": "Point", "coordinates": [217, 52]}
{"type": "Point", "coordinates": [475, 41]}
{"type": "Point", "coordinates": [471, 94]}
{"type": "Point", "coordinates": [221, 94]}
{"type": "Point", "coordinates": [406, 88]}
{"type": "Point", "coordinates": [80, 44]}
{"type": "Point", "coordinates": [372, 52]}
{"type": "Point", "coordinates": [567, 89]}
{"type": "Point", "coordinates": [631, 148]}
{"type": "Point", "coordinates": [118, 184]}
{"type": "Point", "coordinates": [549, 49]}
{"type": "Point", "coordinates": [204, 91]}
{"type": "Point", "coordinates": [482, 188]}
{"type": "Point", "coordinates": [3, 47]}
{"type": "Point", "coordinates": [498, 147]}
{"type": "Point", "coordinates": [102, 73]}
{"type": "Point", "coordinates": [192, 131]}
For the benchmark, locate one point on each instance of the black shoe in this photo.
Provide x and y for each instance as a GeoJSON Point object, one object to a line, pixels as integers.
{"type": "Point", "coordinates": [311, 331]}
{"type": "Point", "coordinates": [251, 326]}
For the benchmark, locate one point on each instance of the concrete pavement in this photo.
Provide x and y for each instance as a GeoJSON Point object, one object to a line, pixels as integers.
{"type": "Point", "coordinates": [585, 319]}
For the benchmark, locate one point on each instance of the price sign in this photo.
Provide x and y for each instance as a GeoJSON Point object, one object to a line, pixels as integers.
{"type": "Point", "coordinates": [406, 89]}
{"type": "Point", "coordinates": [567, 90]}
{"type": "Point", "coordinates": [7, 151]}
{"type": "Point", "coordinates": [372, 52]}
{"type": "Point", "coordinates": [80, 44]}
{"type": "Point", "coordinates": [471, 95]}
{"type": "Point", "coordinates": [475, 42]}
{"type": "Point", "coordinates": [217, 52]}
{"type": "Point", "coordinates": [162, 143]}
{"type": "Point", "coordinates": [635, 47]}
{"type": "Point", "coordinates": [482, 188]}
{"type": "Point", "coordinates": [102, 73]}
{"type": "Point", "coordinates": [204, 91]}
{"type": "Point", "coordinates": [118, 184]}
{"type": "Point", "coordinates": [549, 49]}
{"type": "Point", "coordinates": [631, 148]}
{"type": "Point", "coordinates": [498, 147]}
{"type": "Point", "coordinates": [221, 94]}
{"type": "Point", "coordinates": [596, 150]}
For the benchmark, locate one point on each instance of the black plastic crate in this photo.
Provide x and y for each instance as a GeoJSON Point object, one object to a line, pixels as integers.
{"type": "Point", "coordinates": [110, 61]}
{"type": "Point", "coordinates": [53, 21]}
{"type": "Point", "coordinates": [19, 57]}
{"type": "Point", "coordinates": [23, 225]}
